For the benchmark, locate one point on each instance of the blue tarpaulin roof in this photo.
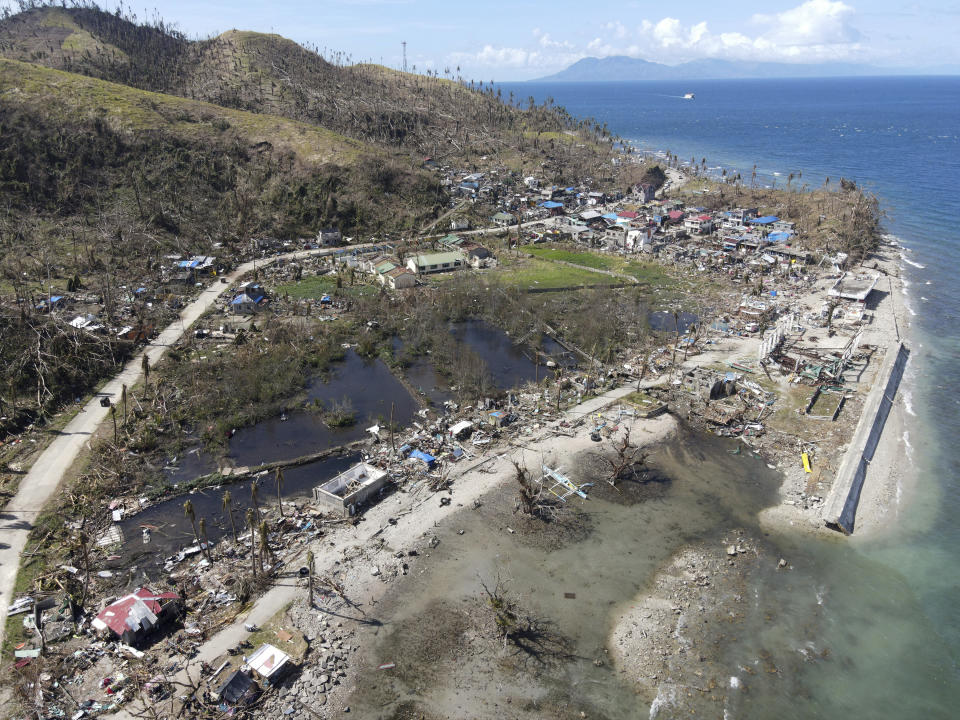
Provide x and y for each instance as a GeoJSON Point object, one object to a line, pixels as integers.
{"type": "Point", "coordinates": [765, 220]}
{"type": "Point", "coordinates": [779, 236]}
{"type": "Point", "coordinates": [551, 204]}
{"type": "Point", "coordinates": [611, 216]}
{"type": "Point", "coordinates": [426, 457]}
{"type": "Point", "coordinates": [243, 297]}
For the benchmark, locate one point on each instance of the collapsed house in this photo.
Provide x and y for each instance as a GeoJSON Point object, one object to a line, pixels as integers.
{"type": "Point", "coordinates": [238, 688]}
{"type": "Point", "coordinates": [709, 385]}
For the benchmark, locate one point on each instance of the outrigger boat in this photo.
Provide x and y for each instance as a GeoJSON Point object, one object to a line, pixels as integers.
{"type": "Point", "coordinates": [563, 487]}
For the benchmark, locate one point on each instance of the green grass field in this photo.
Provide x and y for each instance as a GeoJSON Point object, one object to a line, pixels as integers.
{"type": "Point", "coordinates": [314, 288]}
{"type": "Point", "coordinates": [534, 273]}
{"type": "Point", "coordinates": [645, 272]}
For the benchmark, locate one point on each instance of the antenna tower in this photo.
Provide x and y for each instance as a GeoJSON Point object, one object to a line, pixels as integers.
{"type": "Point", "coordinates": [404, 43]}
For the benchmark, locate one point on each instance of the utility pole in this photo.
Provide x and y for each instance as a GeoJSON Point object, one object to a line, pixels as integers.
{"type": "Point", "coordinates": [404, 43]}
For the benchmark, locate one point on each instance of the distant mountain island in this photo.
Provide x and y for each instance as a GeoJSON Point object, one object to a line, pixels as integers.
{"type": "Point", "coordinates": [620, 68]}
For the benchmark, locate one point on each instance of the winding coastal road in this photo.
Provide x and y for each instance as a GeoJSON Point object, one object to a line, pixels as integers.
{"type": "Point", "coordinates": [44, 477]}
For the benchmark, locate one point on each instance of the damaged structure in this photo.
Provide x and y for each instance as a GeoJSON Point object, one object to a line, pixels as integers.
{"type": "Point", "coordinates": [350, 489]}
{"type": "Point", "coordinates": [135, 616]}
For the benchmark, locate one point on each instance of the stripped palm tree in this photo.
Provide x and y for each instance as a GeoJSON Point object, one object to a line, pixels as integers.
{"type": "Point", "coordinates": [145, 366]}
{"type": "Point", "coordinates": [206, 541]}
{"type": "Point", "coordinates": [228, 508]}
{"type": "Point", "coordinates": [252, 524]}
{"type": "Point", "coordinates": [279, 477]}
{"type": "Point", "coordinates": [188, 512]}
{"type": "Point", "coordinates": [265, 552]}
{"type": "Point", "coordinates": [253, 499]}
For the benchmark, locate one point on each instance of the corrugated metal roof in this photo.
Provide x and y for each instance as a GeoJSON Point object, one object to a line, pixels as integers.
{"type": "Point", "coordinates": [439, 258]}
{"type": "Point", "coordinates": [135, 611]}
{"type": "Point", "coordinates": [267, 660]}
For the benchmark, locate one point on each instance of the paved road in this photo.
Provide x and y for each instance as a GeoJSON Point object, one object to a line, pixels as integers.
{"type": "Point", "coordinates": [16, 520]}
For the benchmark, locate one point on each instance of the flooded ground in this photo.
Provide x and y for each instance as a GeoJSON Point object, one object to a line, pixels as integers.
{"type": "Point", "coordinates": [367, 386]}
{"type": "Point", "coordinates": [188, 465]}
{"type": "Point", "coordinates": [170, 530]}
{"type": "Point", "coordinates": [571, 576]}
{"type": "Point", "coordinates": [663, 321]}
{"type": "Point", "coordinates": [510, 363]}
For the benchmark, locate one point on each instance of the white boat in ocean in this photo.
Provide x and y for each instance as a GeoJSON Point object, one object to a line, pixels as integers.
{"type": "Point", "coordinates": [688, 96]}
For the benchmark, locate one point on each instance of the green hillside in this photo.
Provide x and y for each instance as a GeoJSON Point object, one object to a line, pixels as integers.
{"type": "Point", "coordinates": [422, 115]}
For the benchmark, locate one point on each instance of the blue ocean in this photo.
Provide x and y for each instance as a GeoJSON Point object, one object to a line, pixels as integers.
{"type": "Point", "coordinates": [886, 606]}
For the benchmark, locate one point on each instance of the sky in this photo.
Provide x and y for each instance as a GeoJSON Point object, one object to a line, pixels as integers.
{"type": "Point", "coordinates": [520, 39]}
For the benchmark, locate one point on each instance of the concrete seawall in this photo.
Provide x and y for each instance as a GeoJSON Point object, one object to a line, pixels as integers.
{"type": "Point", "coordinates": [841, 507]}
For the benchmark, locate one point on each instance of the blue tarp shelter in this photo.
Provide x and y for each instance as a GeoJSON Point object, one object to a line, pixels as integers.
{"type": "Point", "coordinates": [551, 204]}
{"type": "Point", "coordinates": [765, 220]}
{"type": "Point", "coordinates": [780, 236]}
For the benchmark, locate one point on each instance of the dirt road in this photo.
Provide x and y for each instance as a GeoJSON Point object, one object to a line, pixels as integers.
{"type": "Point", "coordinates": [16, 520]}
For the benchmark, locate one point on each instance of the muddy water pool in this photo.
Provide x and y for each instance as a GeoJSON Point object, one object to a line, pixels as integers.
{"type": "Point", "coordinates": [608, 559]}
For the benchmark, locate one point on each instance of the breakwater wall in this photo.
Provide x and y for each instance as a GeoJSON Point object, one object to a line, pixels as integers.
{"type": "Point", "coordinates": [841, 507]}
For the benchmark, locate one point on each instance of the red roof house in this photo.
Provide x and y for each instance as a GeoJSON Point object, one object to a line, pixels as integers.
{"type": "Point", "coordinates": [136, 615]}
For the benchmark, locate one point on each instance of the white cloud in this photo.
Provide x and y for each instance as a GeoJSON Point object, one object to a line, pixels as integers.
{"type": "Point", "coordinates": [814, 31]}
{"type": "Point", "coordinates": [548, 53]}
{"type": "Point", "coordinates": [504, 56]}
{"type": "Point", "coordinates": [545, 41]}
{"type": "Point", "coordinates": [816, 22]}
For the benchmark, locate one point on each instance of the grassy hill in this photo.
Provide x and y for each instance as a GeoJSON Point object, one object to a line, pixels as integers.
{"type": "Point", "coordinates": [72, 142]}
{"type": "Point", "coordinates": [62, 95]}
{"type": "Point", "coordinates": [269, 74]}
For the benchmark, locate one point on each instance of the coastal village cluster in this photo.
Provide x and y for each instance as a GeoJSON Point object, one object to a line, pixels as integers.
{"type": "Point", "coordinates": [775, 358]}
